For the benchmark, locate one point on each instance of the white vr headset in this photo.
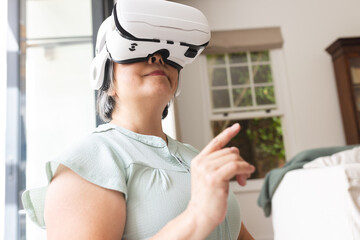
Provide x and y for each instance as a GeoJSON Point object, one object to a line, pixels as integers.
{"type": "Point", "coordinates": [138, 29]}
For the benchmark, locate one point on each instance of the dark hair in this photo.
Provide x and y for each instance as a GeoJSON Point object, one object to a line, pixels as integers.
{"type": "Point", "coordinates": [105, 104]}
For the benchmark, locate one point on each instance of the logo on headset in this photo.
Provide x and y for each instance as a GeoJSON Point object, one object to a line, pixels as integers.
{"type": "Point", "coordinates": [132, 48]}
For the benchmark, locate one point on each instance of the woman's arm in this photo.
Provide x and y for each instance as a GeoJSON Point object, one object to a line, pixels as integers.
{"type": "Point", "coordinates": [78, 209]}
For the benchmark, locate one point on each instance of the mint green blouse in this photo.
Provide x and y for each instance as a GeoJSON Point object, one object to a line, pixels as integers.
{"type": "Point", "coordinates": [153, 176]}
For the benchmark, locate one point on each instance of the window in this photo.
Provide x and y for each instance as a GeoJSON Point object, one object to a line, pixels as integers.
{"type": "Point", "coordinates": [242, 89]}
{"type": "Point", "coordinates": [241, 82]}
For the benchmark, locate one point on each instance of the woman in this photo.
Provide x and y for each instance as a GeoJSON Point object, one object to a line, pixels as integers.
{"type": "Point", "coordinates": [129, 180]}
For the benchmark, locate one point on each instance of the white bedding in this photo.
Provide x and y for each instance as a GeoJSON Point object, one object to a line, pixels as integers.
{"type": "Point", "coordinates": [340, 158]}
{"type": "Point", "coordinates": [318, 203]}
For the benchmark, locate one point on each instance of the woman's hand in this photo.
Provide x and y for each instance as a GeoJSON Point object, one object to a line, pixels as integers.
{"type": "Point", "coordinates": [211, 171]}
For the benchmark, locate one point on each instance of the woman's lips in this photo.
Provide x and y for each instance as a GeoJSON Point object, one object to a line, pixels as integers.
{"type": "Point", "coordinates": [156, 73]}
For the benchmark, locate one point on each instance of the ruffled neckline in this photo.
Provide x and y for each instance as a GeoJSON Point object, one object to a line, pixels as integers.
{"type": "Point", "coordinates": [150, 140]}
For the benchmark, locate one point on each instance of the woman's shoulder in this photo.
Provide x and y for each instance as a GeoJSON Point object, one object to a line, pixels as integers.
{"type": "Point", "coordinates": [94, 159]}
{"type": "Point", "coordinates": [100, 139]}
{"type": "Point", "coordinates": [98, 150]}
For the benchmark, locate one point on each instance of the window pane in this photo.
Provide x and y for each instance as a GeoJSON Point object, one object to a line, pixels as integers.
{"type": "Point", "coordinates": [262, 74]}
{"type": "Point", "coordinates": [239, 75]}
{"type": "Point", "coordinates": [355, 70]}
{"type": "Point", "coordinates": [265, 95]}
{"type": "Point", "coordinates": [213, 59]}
{"type": "Point", "coordinates": [238, 57]}
{"type": "Point", "coordinates": [218, 77]}
{"type": "Point", "coordinates": [355, 75]}
{"type": "Point", "coordinates": [58, 18]}
{"type": "Point", "coordinates": [260, 142]}
{"type": "Point", "coordinates": [242, 97]}
{"type": "Point", "coordinates": [260, 56]}
{"type": "Point", "coordinates": [221, 98]}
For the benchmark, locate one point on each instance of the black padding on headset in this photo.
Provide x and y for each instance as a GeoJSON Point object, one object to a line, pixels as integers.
{"type": "Point", "coordinates": [163, 52]}
{"type": "Point", "coordinates": [191, 53]}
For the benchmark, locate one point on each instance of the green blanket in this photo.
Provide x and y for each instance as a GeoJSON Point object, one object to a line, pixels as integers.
{"type": "Point", "coordinates": [274, 177]}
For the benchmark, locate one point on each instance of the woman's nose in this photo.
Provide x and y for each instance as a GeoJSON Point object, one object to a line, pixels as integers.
{"type": "Point", "coordinates": [157, 58]}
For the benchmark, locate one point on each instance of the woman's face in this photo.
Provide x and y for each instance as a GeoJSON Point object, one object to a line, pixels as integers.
{"type": "Point", "coordinates": [145, 81]}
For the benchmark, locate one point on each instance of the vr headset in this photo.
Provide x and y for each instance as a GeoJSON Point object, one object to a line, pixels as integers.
{"type": "Point", "coordinates": [138, 29]}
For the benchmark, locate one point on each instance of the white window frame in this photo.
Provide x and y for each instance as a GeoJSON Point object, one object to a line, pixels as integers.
{"type": "Point", "coordinates": [283, 110]}
{"type": "Point", "coordinates": [238, 114]}
{"type": "Point", "coordinates": [251, 85]}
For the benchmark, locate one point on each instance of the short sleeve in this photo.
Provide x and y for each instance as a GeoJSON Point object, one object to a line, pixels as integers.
{"type": "Point", "coordinates": [94, 159]}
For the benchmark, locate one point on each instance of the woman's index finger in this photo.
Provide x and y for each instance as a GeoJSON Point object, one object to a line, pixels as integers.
{"type": "Point", "coordinates": [221, 140]}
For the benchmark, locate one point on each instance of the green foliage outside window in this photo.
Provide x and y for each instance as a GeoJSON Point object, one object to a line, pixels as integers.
{"type": "Point", "coordinates": [238, 57]}
{"type": "Point", "coordinates": [261, 56]}
{"type": "Point", "coordinates": [266, 134]}
{"type": "Point", "coordinates": [265, 95]}
{"type": "Point", "coordinates": [239, 75]}
{"type": "Point", "coordinates": [262, 74]}
{"type": "Point", "coordinates": [242, 97]}
{"type": "Point", "coordinates": [260, 142]}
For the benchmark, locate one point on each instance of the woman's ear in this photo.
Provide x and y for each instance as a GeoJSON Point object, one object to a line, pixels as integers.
{"type": "Point", "coordinates": [111, 92]}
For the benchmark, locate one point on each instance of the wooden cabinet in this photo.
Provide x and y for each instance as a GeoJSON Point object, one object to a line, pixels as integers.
{"type": "Point", "coordinates": [345, 54]}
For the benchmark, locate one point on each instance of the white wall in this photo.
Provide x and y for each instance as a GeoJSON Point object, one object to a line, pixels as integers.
{"type": "Point", "coordinates": [192, 124]}
{"type": "Point", "coordinates": [3, 34]}
{"type": "Point", "coordinates": [308, 27]}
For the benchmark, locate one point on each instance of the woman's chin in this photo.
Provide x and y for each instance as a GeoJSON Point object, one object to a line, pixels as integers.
{"type": "Point", "coordinates": [161, 90]}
